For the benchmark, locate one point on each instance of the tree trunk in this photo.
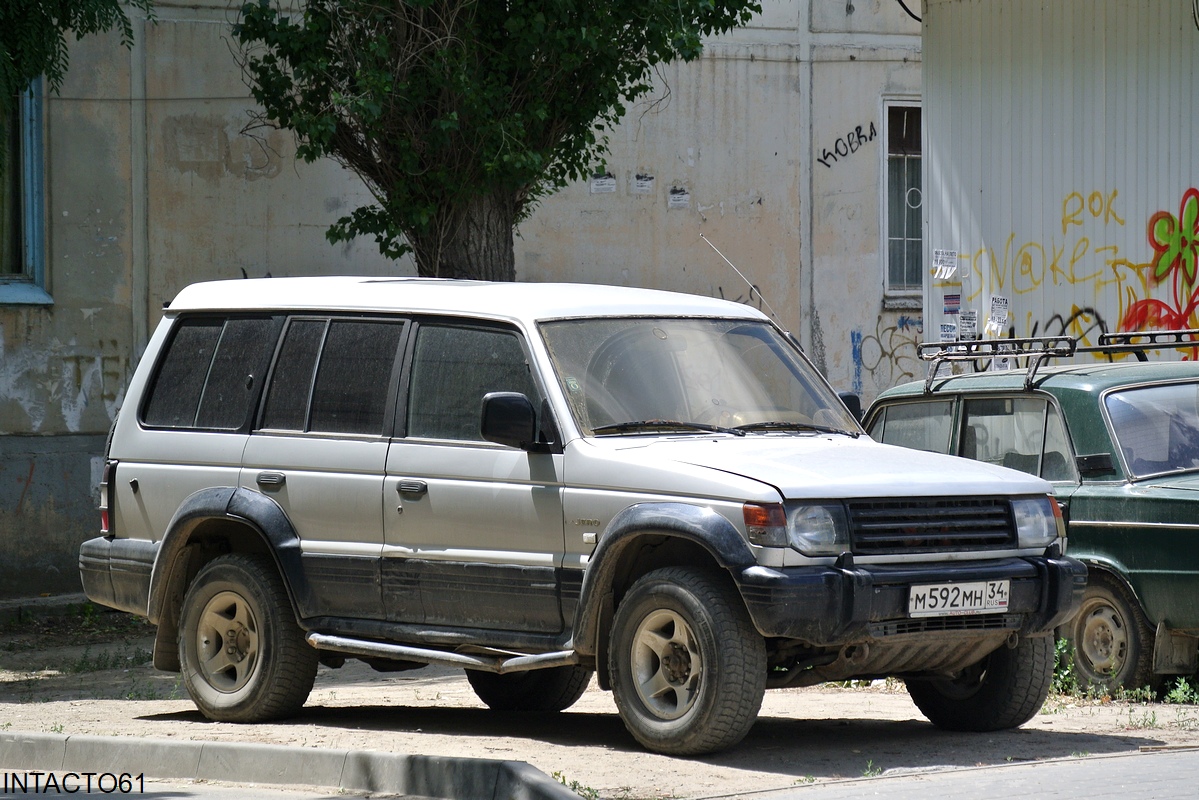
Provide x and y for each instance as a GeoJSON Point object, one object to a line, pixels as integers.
{"type": "Point", "coordinates": [476, 243]}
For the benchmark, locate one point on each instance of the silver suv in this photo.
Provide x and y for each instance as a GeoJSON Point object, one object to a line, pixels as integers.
{"type": "Point", "coordinates": [536, 482]}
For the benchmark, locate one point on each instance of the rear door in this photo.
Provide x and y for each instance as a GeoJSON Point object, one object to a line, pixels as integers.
{"type": "Point", "coordinates": [320, 451]}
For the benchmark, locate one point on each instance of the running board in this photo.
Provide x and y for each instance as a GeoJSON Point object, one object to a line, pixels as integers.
{"type": "Point", "coordinates": [498, 664]}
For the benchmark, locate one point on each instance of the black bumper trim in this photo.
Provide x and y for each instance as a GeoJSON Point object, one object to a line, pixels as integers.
{"type": "Point", "coordinates": [116, 572]}
{"type": "Point", "coordinates": [829, 606]}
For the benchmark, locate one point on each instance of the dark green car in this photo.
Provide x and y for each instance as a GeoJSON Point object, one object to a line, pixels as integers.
{"type": "Point", "coordinates": [1120, 442]}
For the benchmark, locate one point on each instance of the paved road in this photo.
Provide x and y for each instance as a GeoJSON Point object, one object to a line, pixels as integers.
{"type": "Point", "coordinates": [1170, 775]}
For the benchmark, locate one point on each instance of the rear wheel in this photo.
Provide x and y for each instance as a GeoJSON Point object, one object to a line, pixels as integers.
{"type": "Point", "coordinates": [243, 657]}
{"type": "Point", "coordinates": [1004, 690]}
{"type": "Point", "coordinates": [688, 668]}
{"type": "Point", "coordinates": [552, 689]}
{"type": "Point", "coordinates": [1111, 640]}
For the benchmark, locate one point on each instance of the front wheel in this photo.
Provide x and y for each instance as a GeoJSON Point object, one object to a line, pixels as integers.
{"type": "Point", "coordinates": [243, 657]}
{"type": "Point", "coordinates": [1004, 690]}
{"type": "Point", "coordinates": [688, 668]}
{"type": "Point", "coordinates": [1112, 643]}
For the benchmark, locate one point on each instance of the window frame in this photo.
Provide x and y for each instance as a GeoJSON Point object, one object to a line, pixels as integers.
{"type": "Point", "coordinates": [898, 296]}
{"type": "Point", "coordinates": [29, 286]}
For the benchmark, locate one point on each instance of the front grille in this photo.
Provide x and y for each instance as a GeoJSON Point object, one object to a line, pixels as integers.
{"type": "Point", "coordinates": [885, 527]}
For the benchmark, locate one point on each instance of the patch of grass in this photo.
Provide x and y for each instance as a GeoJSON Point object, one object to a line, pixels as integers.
{"type": "Point", "coordinates": [126, 656]}
{"type": "Point", "coordinates": [586, 792]}
{"type": "Point", "coordinates": [871, 770]}
{"type": "Point", "coordinates": [1183, 692]}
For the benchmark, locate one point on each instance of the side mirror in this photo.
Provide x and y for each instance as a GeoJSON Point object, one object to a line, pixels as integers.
{"type": "Point", "coordinates": [853, 403]}
{"type": "Point", "coordinates": [1095, 464]}
{"type": "Point", "coordinates": [508, 418]}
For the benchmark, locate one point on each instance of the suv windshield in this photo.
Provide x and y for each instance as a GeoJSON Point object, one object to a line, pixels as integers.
{"type": "Point", "coordinates": [654, 375]}
{"type": "Point", "coordinates": [1157, 427]}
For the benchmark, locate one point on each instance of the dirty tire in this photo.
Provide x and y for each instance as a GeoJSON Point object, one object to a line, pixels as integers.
{"type": "Point", "coordinates": [1004, 690]}
{"type": "Point", "coordinates": [243, 657]}
{"type": "Point", "coordinates": [541, 690]}
{"type": "Point", "coordinates": [1110, 640]}
{"type": "Point", "coordinates": [688, 669]}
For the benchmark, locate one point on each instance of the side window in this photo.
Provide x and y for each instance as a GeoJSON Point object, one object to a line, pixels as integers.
{"type": "Point", "coordinates": [452, 368]}
{"type": "Point", "coordinates": [211, 373]}
{"type": "Point", "coordinates": [354, 379]}
{"type": "Point", "coordinates": [333, 376]}
{"type": "Point", "coordinates": [920, 426]}
{"type": "Point", "coordinates": [1058, 462]}
{"type": "Point", "coordinates": [1011, 432]}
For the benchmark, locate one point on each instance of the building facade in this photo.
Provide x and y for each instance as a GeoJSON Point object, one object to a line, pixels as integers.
{"type": "Point", "coordinates": [793, 146]}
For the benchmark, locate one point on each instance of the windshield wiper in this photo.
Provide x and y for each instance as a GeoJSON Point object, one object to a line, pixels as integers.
{"type": "Point", "coordinates": [664, 424]}
{"type": "Point", "coordinates": [779, 425]}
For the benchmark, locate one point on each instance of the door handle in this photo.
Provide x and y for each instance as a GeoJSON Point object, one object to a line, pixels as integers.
{"type": "Point", "coordinates": [271, 479]}
{"type": "Point", "coordinates": [412, 486]}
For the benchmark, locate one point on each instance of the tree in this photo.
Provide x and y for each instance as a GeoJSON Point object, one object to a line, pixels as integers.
{"type": "Point", "coordinates": [33, 38]}
{"type": "Point", "coordinates": [460, 115]}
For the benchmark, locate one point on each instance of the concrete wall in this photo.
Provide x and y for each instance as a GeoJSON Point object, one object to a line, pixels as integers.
{"type": "Point", "coordinates": [1062, 156]}
{"type": "Point", "coordinates": [731, 143]}
{"type": "Point", "coordinates": [150, 185]}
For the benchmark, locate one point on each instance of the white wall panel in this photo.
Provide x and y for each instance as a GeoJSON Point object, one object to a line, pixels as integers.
{"type": "Point", "coordinates": [1056, 133]}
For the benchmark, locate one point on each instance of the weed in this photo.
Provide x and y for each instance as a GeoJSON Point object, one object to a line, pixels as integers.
{"type": "Point", "coordinates": [56, 728]}
{"type": "Point", "coordinates": [1064, 679]}
{"type": "Point", "coordinates": [806, 779]}
{"type": "Point", "coordinates": [5, 726]}
{"type": "Point", "coordinates": [1147, 719]}
{"type": "Point", "coordinates": [1079, 754]}
{"type": "Point", "coordinates": [586, 792]}
{"type": "Point", "coordinates": [1183, 693]}
{"type": "Point", "coordinates": [126, 656]}
{"type": "Point", "coordinates": [871, 771]}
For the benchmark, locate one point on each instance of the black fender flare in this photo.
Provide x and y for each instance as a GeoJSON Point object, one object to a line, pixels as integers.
{"type": "Point", "coordinates": [697, 524]}
{"type": "Point", "coordinates": [253, 509]}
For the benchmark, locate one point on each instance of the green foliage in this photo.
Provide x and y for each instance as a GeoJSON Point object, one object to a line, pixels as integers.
{"type": "Point", "coordinates": [33, 42]}
{"type": "Point", "coordinates": [439, 103]}
{"type": "Point", "coordinates": [1183, 692]}
{"type": "Point", "coordinates": [1064, 679]}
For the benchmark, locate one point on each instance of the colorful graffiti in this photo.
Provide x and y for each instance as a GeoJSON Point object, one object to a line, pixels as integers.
{"type": "Point", "coordinates": [1175, 243]}
{"type": "Point", "coordinates": [1022, 268]}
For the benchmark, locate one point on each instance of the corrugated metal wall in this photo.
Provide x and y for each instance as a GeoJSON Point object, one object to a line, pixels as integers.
{"type": "Point", "coordinates": [1061, 163]}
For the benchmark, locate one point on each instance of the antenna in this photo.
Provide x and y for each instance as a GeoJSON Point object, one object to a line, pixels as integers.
{"type": "Point", "coordinates": [752, 288]}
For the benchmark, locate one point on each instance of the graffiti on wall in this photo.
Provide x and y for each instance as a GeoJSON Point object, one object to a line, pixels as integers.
{"type": "Point", "coordinates": [887, 356]}
{"type": "Point", "coordinates": [1173, 260]}
{"type": "Point", "coordinates": [847, 145]}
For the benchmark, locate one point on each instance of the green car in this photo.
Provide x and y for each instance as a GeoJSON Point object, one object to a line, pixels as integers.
{"type": "Point", "coordinates": [1119, 440]}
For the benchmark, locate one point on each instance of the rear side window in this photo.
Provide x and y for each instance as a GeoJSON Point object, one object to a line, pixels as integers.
{"type": "Point", "coordinates": [211, 373]}
{"type": "Point", "coordinates": [334, 376]}
{"type": "Point", "coordinates": [921, 426]}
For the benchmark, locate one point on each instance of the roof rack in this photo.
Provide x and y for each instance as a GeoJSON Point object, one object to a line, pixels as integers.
{"type": "Point", "coordinates": [1038, 349]}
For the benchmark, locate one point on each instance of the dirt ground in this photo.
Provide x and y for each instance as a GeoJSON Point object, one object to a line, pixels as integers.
{"type": "Point", "coordinates": [91, 675]}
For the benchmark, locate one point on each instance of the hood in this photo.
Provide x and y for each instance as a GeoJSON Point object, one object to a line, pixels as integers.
{"type": "Point", "coordinates": [1187, 482]}
{"type": "Point", "coordinates": [832, 466]}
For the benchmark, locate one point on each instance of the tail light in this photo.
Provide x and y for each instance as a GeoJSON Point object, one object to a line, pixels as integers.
{"type": "Point", "coordinates": [110, 468]}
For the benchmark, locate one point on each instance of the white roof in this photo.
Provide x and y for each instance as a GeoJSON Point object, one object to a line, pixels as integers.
{"type": "Point", "coordinates": [525, 302]}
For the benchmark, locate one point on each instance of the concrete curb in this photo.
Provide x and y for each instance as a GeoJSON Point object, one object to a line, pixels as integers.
{"type": "Point", "coordinates": [351, 770]}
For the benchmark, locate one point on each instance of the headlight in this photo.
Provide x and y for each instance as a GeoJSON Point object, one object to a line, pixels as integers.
{"type": "Point", "coordinates": [1038, 521]}
{"type": "Point", "coordinates": [818, 530]}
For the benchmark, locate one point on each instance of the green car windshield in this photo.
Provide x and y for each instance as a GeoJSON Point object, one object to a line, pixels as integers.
{"type": "Point", "coordinates": [627, 376]}
{"type": "Point", "coordinates": [1156, 427]}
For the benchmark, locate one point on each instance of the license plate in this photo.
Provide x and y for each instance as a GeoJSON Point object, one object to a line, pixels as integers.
{"type": "Point", "coordinates": [957, 599]}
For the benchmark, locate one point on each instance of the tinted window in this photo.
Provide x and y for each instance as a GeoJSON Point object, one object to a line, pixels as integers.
{"type": "Point", "coordinates": [352, 383]}
{"type": "Point", "coordinates": [921, 426]}
{"type": "Point", "coordinates": [210, 374]}
{"type": "Point", "coordinates": [452, 369]}
{"type": "Point", "coordinates": [291, 383]}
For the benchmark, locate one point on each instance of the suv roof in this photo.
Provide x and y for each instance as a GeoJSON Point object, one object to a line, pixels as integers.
{"type": "Point", "coordinates": [1097, 375]}
{"type": "Point", "coordinates": [526, 302]}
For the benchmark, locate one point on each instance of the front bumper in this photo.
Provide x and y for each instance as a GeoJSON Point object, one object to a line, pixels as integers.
{"type": "Point", "coordinates": [833, 606]}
